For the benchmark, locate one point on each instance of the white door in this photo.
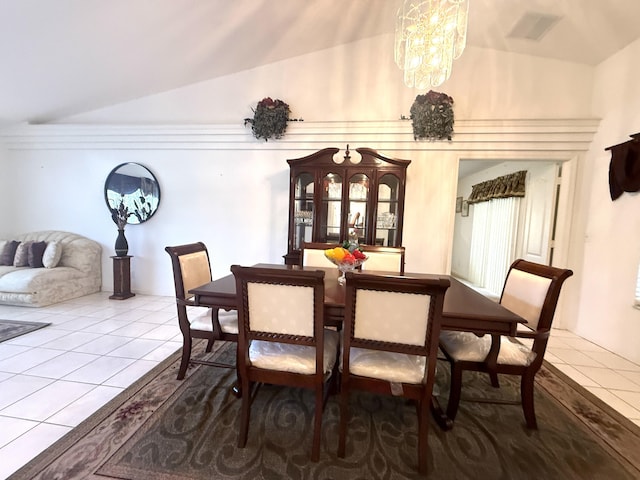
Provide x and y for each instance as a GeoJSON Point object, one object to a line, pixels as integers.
{"type": "Point", "coordinates": [540, 207]}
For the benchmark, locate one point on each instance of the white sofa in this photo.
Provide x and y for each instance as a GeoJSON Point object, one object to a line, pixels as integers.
{"type": "Point", "coordinates": [77, 273]}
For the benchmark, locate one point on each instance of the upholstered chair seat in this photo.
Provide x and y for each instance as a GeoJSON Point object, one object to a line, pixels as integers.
{"type": "Point", "coordinates": [468, 347]}
{"type": "Point", "coordinates": [228, 321]}
{"type": "Point", "coordinates": [390, 366]}
{"type": "Point", "coordinates": [202, 320]}
{"type": "Point", "coordinates": [294, 358]}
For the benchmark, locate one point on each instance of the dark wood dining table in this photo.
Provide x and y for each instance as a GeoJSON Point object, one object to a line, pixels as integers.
{"type": "Point", "coordinates": [464, 309]}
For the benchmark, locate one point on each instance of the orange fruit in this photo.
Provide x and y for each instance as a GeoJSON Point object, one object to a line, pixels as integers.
{"type": "Point", "coordinates": [339, 253]}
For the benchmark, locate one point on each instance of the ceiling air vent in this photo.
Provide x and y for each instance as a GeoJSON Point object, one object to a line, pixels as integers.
{"type": "Point", "coordinates": [533, 26]}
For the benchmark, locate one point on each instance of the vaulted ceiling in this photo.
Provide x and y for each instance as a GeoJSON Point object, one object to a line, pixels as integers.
{"type": "Point", "coordinates": [63, 57]}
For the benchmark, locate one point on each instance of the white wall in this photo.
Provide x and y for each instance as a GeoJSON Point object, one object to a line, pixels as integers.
{"type": "Point", "coordinates": [360, 81]}
{"type": "Point", "coordinates": [5, 213]}
{"type": "Point", "coordinates": [612, 228]}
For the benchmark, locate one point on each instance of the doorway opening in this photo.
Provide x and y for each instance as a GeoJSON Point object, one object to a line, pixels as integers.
{"type": "Point", "coordinates": [529, 233]}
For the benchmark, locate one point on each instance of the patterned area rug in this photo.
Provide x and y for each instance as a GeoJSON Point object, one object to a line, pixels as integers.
{"type": "Point", "coordinates": [12, 328]}
{"type": "Point", "coordinates": [162, 428]}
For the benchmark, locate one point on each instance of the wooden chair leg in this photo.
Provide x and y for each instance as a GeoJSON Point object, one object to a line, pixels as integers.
{"type": "Point", "coordinates": [526, 396]}
{"type": "Point", "coordinates": [237, 386]}
{"type": "Point", "coordinates": [245, 411]}
{"type": "Point", "coordinates": [186, 356]}
{"type": "Point", "coordinates": [209, 345]}
{"type": "Point", "coordinates": [493, 376]}
{"type": "Point", "coordinates": [317, 424]}
{"type": "Point", "coordinates": [455, 389]}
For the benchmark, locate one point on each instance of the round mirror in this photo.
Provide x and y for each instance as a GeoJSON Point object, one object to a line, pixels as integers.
{"type": "Point", "coordinates": [132, 188]}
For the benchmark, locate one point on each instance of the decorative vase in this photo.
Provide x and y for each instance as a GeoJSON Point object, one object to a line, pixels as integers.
{"type": "Point", "coordinates": [122, 246]}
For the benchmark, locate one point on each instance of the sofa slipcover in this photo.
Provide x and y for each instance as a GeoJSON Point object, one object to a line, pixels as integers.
{"type": "Point", "coordinates": [78, 272]}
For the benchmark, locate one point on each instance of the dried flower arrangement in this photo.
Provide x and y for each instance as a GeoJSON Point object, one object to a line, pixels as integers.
{"type": "Point", "coordinates": [120, 215]}
{"type": "Point", "coordinates": [432, 116]}
{"type": "Point", "coordinates": [269, 118]}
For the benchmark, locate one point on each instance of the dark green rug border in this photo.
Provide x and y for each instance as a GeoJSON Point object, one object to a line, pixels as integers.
{"type": "Point", "coordinates": [32, 327]}
{"type": "Point", "coordinates": [624, 444]}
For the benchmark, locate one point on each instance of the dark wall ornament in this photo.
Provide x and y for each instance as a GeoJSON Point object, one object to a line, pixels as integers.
{"type": "Point", "coordinates": [270, 119]}
{"type": "Point", "coordinates": [432, 116]}
{"type": "Point", "coordinates": [624, 168]}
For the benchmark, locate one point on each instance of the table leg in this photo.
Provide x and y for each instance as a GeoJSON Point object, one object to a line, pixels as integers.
{"type": "Point", "coordinates": [444, 422]}
{"type": "Point", "coordinates": [236, 389]}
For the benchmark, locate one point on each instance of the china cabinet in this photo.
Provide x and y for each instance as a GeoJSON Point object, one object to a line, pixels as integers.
{"type": "Point", "coordinates": [333, 197]}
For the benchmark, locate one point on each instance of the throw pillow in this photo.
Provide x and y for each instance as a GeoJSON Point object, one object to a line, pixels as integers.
{"type": "Point", "coordinates": [52, 254]}
{"type": "Point", "coordinates": [8, 252]}
{"type": "Point", "coordinates": [36, 252]}
{"type": "Point", "coordinates": [21, 257]}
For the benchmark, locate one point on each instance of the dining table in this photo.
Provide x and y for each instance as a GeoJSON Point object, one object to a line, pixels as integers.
{"type": "Point", "coordinates": [464, 309]}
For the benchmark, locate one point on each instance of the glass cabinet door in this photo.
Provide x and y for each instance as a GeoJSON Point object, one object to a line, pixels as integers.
{"type": "Point", "coordinates": [387, 212]}
{"type": "Point", "coordinates": [303, 209]}
{"type": "Point", "coordinates": [358, 200]}
{"type": "Point", "coordinates": [331, 209]}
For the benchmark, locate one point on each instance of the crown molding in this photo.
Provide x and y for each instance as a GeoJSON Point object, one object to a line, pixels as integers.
{"type": "Point", "coordinates": [493, 135]}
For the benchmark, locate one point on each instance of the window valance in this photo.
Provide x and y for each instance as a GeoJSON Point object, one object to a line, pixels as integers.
{"type": "Point", "coordinates": [511, 185]}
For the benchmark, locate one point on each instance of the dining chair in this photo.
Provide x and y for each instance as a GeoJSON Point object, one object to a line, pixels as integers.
{"type": "Point", "coordinates": [282, 339]}
{"type": "Point", "coordinates": [191, 268]}
{"type": "Point", "coordinates": [531, 290]}
{"type": "Point", "coordinates": [387, 259]}
{"type": "Point", "coordinates": [390, 344]}
{"type": "Point", "coordinates": [312, 254]}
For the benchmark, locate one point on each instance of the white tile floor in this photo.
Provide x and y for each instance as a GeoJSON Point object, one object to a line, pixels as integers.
{"type": "Point", "coordinates": [55, 377]}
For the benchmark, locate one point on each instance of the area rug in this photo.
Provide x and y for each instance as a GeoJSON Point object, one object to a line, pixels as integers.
{"type": "Point", "coordinates": [162, 428]}
{"type": "Point", "coordinates": [13, 328]}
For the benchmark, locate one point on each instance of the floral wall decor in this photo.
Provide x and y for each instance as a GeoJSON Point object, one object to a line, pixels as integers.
{"type": "Point", "coordinates": [269, 118]}
{"type": "Point", "coordinates": [432, 116]}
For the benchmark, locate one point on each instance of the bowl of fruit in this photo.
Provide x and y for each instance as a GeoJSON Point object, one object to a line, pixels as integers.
{"type": "Point", "coordinates": [345, 259]}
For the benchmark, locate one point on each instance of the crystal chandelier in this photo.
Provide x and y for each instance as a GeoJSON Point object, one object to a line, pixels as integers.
{"type": "Point", "coordinates": [430, 34]}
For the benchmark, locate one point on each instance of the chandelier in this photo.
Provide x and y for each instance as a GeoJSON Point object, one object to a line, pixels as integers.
{"type": "Point", "coordinates": [430, 34]}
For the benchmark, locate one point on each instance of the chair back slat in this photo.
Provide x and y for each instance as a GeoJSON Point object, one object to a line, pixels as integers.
{"type": "Point", "coordinates": [391, 316]}
{"type": "Point", "coordinates": [288, 305]}
{"type": "Point", "coordinates": [394, 313]}
{"type": "Point", "coordinates": [195, 270]}
{"type": "Point", "coordinates": [524, 294]}
{"type": "Point", "coordinates": [315, 258]}
{"type": "Point", "coordinates": [532, 290]}
{"type": "Point", "coordinates": [312, 255]}
{"type": "Point", "coordinates": [385, 259]}
{"type": "Point", "coordinates": [271, 307]}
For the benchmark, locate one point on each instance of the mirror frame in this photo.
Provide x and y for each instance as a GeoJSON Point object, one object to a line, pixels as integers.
{"type": "Point", "coordinates": [134, 170]}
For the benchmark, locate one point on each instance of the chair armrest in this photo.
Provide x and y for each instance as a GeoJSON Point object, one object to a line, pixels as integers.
{"type": "Point", "coordinates": [534, 335]}
{"type": "Point", "coordinates": [186, 303]}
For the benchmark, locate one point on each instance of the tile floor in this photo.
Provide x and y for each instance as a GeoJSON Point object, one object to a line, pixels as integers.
{"type": "Point", "coordinates": [55, 377]}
